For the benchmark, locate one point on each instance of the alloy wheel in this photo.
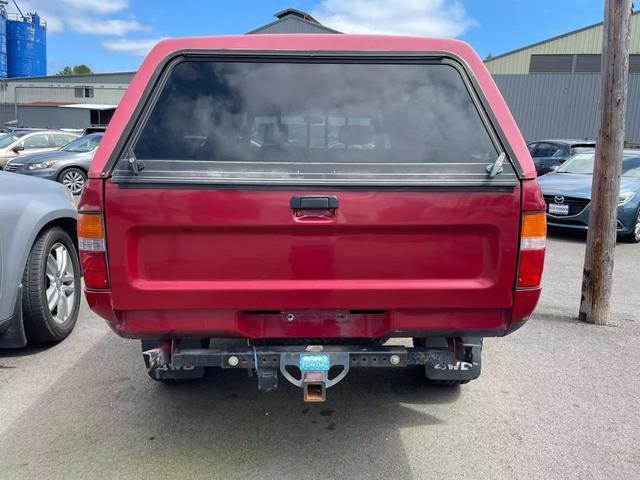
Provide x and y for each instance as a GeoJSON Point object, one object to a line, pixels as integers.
{"type": "Point", "coordinates": [74, 181]}
{"type": "Point", "coordinates": [60, 283]}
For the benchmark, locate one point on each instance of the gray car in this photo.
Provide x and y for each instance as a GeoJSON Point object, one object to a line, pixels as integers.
{"type": "Point", "coordinates": [68, 165]}
{"type": "Point", "coordinates": [39, 268]}
{"type": "Point", "coordinates": [21, 142]}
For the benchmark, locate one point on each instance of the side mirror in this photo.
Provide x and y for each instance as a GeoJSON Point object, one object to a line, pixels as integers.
{"type": "Point", "coordinates": [18, 148]}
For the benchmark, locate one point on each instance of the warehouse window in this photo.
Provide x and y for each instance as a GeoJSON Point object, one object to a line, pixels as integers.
{"type": "Point", "coordinates": [581, 63]}
{"type": "Point", "coordinates": [551, 64]}
{"type": "Point", "coordinates": [83, 92]}
{"type": "Point", "coordinates": [588, 63]}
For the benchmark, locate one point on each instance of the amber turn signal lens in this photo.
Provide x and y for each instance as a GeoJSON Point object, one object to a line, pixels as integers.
{"type": "Point", "coordinates": [534, 225]}
{"type": "Point", "coordinates": [90, 225]}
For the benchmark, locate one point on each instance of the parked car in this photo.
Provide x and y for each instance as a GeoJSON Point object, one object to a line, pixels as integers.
{"type": "Point", "coordinates": [567, 193]}
{"type": "Point", "coordinates": [25, 142]}
{"type": "Point", "coordinates": [39, 266]}
{"type": "Point", "coordinates": [550, 154]}
{"type": "Point", "coordinates": [68, 165]}
{"type": "Point", "coordinates": [232, 196]}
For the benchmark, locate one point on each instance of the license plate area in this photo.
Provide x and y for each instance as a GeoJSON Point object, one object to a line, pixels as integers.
{"type": "Point", "coordinates": [557, 209]}
{"type": "Point", "coordinates": [315, 362]}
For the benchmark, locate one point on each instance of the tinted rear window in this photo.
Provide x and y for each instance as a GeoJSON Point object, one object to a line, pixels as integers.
{"type": "Point", "coordinates": [315, 123]}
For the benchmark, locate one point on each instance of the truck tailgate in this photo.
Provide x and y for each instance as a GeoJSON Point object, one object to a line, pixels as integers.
{"type": "Point", "coordinates": [186, 249]}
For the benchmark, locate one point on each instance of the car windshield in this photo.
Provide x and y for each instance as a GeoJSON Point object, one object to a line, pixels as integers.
{"type": "Point", "coordinates": [575, 150]}
{"type": "Point", "coordinates": [8, 139]}
{"type": "Point", "coordinates": [83, 144]}
{"type": "Point", "coordinates": [583, 163]}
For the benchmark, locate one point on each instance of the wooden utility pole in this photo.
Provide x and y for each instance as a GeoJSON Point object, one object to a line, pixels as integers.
{"type": "Point", "coordinates": [601, 238]}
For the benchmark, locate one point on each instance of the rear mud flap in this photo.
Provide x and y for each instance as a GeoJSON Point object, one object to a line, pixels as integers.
{"type": "Point", "coordinates": [160, 369]}
{"type": "Point", "coordinates": [464, 364]}
{"type": "Point", "coordinates": [14, 335]}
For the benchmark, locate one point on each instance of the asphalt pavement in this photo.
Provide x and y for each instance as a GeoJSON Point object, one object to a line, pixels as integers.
{"type": "Point", "coordinates": [558, 399]}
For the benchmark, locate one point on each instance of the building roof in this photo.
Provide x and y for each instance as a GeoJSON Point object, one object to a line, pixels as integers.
{"type": "Point", "coordinates": [89, 106]}
{"type": "Point", "coordinates": [548, 40]}
{"type": "Point", "coordinates": [298, 13]}
{"type": "Point", "coordinates": [291, 20]}
{"type": "Point", "coordinates": [67, 77]}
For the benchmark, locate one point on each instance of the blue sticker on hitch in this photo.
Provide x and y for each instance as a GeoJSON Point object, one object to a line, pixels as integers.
{"type": "Point", "coordinates": [314, 362]}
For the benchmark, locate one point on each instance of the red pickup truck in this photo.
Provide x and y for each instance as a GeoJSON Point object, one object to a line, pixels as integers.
{"type": "Point", "coordinates": [314, 195]}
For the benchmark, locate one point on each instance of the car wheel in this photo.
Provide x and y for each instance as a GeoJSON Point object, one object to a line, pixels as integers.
{"type": "Point", "coordinates": [74, 179]}
{"type": "Point", "coordinates": [51, 283]}
{"type": "Point", "coordinates": [634, 235]}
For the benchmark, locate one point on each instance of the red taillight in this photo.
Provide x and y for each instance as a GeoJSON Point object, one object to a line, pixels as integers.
{"type": "Point", "coordinates": [531, 266]}
{"type": "Point", "coordinates": [532, 249]}
{"type": "Point", "coordinates": [93, 255]}
{"type": "Point", "coordinates": [94, 270]}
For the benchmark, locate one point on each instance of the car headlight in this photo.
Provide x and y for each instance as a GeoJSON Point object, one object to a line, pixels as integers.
{"type": "Point", "coordinates": [41, 165]}
{"type": "Point", "coordinates": [625, 197]}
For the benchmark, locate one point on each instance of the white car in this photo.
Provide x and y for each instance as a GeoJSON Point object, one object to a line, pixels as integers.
{"type": "Point", "coordinates": [23, 142]}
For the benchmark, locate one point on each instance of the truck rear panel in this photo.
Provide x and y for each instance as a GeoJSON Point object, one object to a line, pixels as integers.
{"type": "Point", "coordinates": [339, 191]}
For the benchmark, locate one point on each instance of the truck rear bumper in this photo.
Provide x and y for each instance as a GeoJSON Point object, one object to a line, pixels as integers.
{"type": "Point", "coordinates": [213, 323]}
{"type": "Point", "coordinates": [315, 368]}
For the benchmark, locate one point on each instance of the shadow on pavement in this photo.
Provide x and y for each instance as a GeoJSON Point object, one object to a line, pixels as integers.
{"type": "Point", "coordinates": [575, 236]}
{"type": "Point", "coordinates": [109, 415]}
{"type": "Point", "coordinates": [24, 352]}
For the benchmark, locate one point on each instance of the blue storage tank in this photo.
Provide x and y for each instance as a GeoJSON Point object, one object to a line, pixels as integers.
{"type": "Point", "coordinates": [3, 43]}
{"type": "Point", "coordinates": [26, 46]}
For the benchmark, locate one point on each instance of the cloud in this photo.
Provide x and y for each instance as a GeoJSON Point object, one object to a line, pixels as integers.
{"type": "Point", "coordinates": [138, 48]}
{"type": "Point", "coordinates": [97, 6]}
{"type": "Point", "coordinates": [437, 18]}
{"type": "Point", "coordinates": [55, 23]}
{"type": "Point", "coordinates": [106, 27]}
{"type": "Point", "coordinates": [85, 16]}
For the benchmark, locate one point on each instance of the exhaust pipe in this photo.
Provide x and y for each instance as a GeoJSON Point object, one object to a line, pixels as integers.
{"type": "Point", "coordinates": [314, 392]}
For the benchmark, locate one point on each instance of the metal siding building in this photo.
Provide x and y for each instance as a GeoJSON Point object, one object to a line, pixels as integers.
{"type": "Point", "coordinates": [563, 105]}
{"type": "Point", "coordinates": [553, 87]}
{"type": "Point", "coordinates": [586, 40]}
{"type": "Point", "coordinates": [48, 102]}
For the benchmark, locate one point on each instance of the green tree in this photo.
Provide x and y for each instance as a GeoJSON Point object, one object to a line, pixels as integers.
{"type": "Point", "coordinates": [80, 69]}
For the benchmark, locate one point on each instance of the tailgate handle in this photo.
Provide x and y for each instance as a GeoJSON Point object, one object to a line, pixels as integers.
{"type": "Point", "coordinates": [314, 202]}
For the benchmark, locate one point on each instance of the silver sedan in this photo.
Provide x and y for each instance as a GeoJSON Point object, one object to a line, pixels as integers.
{"type": "Point", "coordinates": [39, 267]}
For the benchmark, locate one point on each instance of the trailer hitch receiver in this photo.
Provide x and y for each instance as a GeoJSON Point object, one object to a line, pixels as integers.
{"type": "Point", "coordinates": [314, 366]}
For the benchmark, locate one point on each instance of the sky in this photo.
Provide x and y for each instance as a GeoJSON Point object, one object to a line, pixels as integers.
{"type": "Point", "coordinates": [114, 35]}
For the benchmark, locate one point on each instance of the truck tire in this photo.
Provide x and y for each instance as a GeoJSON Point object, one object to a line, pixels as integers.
{"type": "Point", "coordinates": [51, 283]}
